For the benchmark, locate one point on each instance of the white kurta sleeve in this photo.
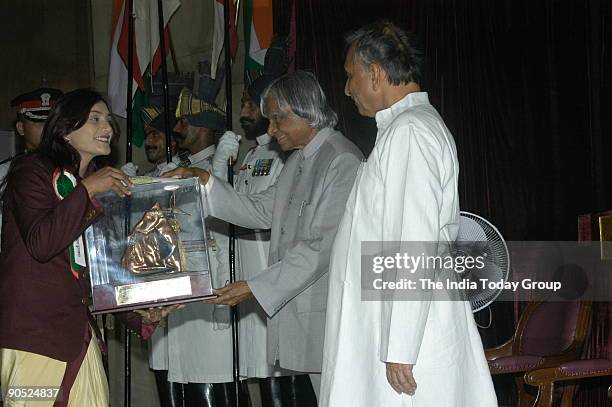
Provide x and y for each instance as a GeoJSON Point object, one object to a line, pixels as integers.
{"type": "Point", "coordinates": [411, 210]}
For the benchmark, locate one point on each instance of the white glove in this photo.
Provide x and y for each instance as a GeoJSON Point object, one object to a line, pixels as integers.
{"type": "Point", "coordinates": [168, 167]}
{"type": "Point", "coordinates": [227, 147]}
{"type": "Point", "coordinates": [221, 317]}
{"type": "Point", "coordinates": [130, 169]}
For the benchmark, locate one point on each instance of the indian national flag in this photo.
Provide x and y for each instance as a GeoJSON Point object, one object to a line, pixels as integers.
{"type": "Point", "coordinates": [146, 47]}
{"type": "Point", "coordinates": [258, 32]}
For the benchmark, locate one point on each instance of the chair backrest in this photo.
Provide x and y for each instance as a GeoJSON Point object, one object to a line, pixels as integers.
{"type": "Point", "coordinates": [551, 328]}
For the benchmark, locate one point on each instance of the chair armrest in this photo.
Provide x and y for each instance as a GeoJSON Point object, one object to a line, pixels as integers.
{"type": "Point", "coordinates": [540, 377]}
{"type": "Point", "coordinates": [499, 351]}
{"type": "Point", "coordinates": [573, 370]}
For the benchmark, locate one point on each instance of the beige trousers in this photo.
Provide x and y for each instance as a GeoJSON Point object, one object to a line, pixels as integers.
{"type": "Point", "coordinates": [21, 371]}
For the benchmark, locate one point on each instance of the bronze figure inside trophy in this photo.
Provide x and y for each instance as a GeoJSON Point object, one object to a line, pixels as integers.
{"type": "Point", "coordinates": [154, 245]}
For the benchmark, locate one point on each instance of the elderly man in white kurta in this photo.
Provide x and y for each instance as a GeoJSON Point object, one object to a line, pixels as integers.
{"type": "Point", "coordinates": [398, 353]}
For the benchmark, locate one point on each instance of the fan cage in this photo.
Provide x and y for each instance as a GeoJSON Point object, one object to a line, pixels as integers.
{"type": "Point", "coordinates": [498, 255]}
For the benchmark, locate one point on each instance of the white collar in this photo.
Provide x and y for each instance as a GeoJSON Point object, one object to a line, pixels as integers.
{"type": "Point", "coordinates": [316, 142]}
{"type": "Point", "coordinates": [386, 116]}
{"type": "Point", "coordinates": [264, 139]}
{"type": "Point", "coordinates": [203, 154]}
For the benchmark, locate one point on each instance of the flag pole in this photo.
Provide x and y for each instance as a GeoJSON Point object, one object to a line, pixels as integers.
{"type": "Point", "coordinates": [128, 158]}
{"type": "Point", "coordinates": [230, 178]}
{"type": "Point", "coordinates": [130, 67]}
{"type": "Point", "coordinates": [228, 65]}
{"type": "Point", "coordinates": [237, 13]}
{"type": "Point", "coordinates": [164, 66]}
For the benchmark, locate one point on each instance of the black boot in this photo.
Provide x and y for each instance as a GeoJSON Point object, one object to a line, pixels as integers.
{"type": "Point", "coordinates": [199, 395]}
{"type": "Point", "coordinates": [271, 393]}
{"type": "Point", "coordinates": [287, 391]}
{"type": "Point", "coordinates": [170, 393]}
{"type": "Point", "coordinates": [214, 395]}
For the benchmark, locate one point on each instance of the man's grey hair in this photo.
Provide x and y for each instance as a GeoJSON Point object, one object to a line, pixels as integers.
{"type": "Point", "coordinates": [394, 49]}
{"type": "Point", "coordinates": [301, 92]}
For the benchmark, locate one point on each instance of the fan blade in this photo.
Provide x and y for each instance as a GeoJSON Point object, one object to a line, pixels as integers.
{"type": "Point", "coordinates": [470, 231]}
{"type": "Point", "coordinates": [490, 272]}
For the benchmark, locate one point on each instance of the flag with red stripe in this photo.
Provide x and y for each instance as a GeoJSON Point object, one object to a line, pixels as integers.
{"type": "Point", "coordinates": [219, 33]}
{"type": "Point", "coordinates": [146, 47]}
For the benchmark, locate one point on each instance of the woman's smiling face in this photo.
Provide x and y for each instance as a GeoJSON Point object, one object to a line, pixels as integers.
{"type": "Point", "coordinates": [94, 137]}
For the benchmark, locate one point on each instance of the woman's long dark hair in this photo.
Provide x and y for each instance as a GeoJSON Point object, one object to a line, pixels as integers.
{"type": "Point", "coordinates": [70, 112]}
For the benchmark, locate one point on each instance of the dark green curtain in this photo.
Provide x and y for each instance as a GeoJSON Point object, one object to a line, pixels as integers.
{"type": "Point", "coordinates": [524, 86]}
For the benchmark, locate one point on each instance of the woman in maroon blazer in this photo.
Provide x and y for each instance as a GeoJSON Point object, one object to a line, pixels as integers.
{"type": "Point", "coordinates": [45, 334]}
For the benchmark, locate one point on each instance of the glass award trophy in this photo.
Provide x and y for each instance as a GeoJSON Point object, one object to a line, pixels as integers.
{"type": "Point", "coordinates": [150, 248]}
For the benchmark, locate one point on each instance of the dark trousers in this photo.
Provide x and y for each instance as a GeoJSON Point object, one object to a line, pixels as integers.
{"type": "Point", "coordinates": [284, 391]}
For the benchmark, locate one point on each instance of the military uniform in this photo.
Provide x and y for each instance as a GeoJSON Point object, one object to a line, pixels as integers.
{"type": "Point", "coordinates": [193, 349]}
{"type": "Point", "coordinates": [188, 346]}
{"type": "Point", "coordinates": [31, 106]}
{"type": "Point", "coordinates": [260, 169]}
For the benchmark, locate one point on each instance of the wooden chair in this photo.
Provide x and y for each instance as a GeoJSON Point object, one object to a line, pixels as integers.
{"type": "Point", "coordinates": [545, 379]}
{"type": "Point", "coordinates": [547, 334]}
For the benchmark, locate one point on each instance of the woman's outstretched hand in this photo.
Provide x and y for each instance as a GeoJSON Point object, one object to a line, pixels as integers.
{"type": "Point", "coordinates": [108, 179]}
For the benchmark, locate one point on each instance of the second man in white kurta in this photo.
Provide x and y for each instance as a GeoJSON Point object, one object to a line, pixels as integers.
{"type": "Point", "coordinates": [398, 353]}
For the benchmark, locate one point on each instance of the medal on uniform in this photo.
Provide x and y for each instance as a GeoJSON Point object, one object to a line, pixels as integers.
{"type": "Point", "coordinates": [255, 172]}
{"type": "Point", "coordinates": [262, 167]}
{"type": "Point", "coordinates": [267, 166]}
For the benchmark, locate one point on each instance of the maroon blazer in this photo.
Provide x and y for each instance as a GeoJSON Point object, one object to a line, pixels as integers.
{"type": "Point", "coordinates": [43, 307]}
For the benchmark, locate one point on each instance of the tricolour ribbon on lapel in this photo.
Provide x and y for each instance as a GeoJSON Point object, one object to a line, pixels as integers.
{"type": "Point", "coordinates": [63, 184]}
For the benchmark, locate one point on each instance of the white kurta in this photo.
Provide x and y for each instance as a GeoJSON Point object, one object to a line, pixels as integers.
{"type": "Point", "coordinates": [259, 170]}
{"type": "Point", "coordinates": [406, 191]}
{"type": "Point", "coordinates": [192, 346]}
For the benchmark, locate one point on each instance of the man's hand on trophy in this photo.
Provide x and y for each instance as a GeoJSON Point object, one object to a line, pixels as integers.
{"type": "Point", "coordinates": [152, 316]}
{"type": "Point", "coordinates": [232, 294]}
{"type": "Point", "coordinates": [188, 173]}
{"type": "Point", "coordinates": [167, 167]}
